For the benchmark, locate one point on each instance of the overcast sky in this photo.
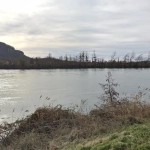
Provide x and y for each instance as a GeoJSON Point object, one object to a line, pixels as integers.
{"type": "Point", "coordinates": [59, 27]}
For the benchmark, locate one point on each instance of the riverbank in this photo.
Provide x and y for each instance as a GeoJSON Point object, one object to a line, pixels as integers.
{"type": "Point", "coordinates": [135, 137]}
{"type": "Point", "coordinates": [105, 127]}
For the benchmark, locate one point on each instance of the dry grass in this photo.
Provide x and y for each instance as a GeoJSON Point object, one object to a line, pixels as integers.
{"type": "Point", "coordinates": [55, 127]}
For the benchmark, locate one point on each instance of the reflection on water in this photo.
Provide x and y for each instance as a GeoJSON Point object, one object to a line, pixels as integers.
{"type": "Point", "coordinates": [21, 89]}
{"type": "Point", "coordinates": [8, 101]}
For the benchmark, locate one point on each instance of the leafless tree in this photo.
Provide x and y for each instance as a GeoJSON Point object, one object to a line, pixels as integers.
{"type": "Point", "coordinates": [86, 57]}
{"type": "Point", "coordinates": [66, 57]}
{"type": "Point", "coordinates": [126, 58]}
{"type": "Point", "coordinates": [139, 58]}
{"type": "Point", "coordinates": [94, 58]}
{"type": "Point", "coordinates": [113, 56]}
{"type": "Point", "coordinates": [61, 58]}
{"type": "Point", "coordinates": [49, 55]}
{"type": "Point", "coordinates": [70, 58]}
{"type": "Point", "coordinates": [132, 56]}
{"type": "Point", "coordinates": [148, 59]}
{"type": "Point", "coordinates": [83, 56]}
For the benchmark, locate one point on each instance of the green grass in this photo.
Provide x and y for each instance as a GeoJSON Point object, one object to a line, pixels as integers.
{"type": "Point", "coordinates": [135, 137]}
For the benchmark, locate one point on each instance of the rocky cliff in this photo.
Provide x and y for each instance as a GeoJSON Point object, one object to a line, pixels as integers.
{"type": "Point", "coordinates": [8, 52]}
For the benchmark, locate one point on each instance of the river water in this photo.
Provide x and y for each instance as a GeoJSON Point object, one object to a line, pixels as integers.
{"type": "Point", "coordinates": [25, 90]}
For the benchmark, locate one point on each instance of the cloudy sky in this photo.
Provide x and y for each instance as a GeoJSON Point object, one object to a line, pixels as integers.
{"type": "Point", "coordinates": [59, 27]}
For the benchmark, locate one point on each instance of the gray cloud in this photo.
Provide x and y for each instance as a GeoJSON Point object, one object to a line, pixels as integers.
{"type": "Point", "coordinates": [69, 26]}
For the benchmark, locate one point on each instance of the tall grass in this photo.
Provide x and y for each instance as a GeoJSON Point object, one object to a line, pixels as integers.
{"type": "Point", "coordinates": [57, 127]}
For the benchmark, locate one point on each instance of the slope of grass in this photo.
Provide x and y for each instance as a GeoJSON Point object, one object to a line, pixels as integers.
{"type": "Point", "coordinates": [135, 137]}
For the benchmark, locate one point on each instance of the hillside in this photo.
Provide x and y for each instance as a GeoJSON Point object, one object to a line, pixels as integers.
{"type": "Point", "coordinates": [8, 52]}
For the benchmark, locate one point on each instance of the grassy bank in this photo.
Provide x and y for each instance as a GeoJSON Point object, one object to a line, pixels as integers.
{"type": "Point", "coordinates": [118, 124]}
{"type": "Point", "coordinates": [135, 137]}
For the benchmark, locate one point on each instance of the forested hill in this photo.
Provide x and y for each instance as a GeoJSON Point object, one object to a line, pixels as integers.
{"type": "Point", "coordinates": [8, 52]}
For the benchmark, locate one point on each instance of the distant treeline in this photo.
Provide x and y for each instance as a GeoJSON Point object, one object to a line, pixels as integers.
{"type": "Point", "coordinates": [80, 61]}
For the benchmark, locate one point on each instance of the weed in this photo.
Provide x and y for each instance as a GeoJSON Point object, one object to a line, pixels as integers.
{"type": "Point", "coordinates": [145, 146]}
{"type": "Point", "coordinates": [114, 136]}
{"type": "Point", "coordinates": [86, 148]}
{"type": "Point", "coordinates": [104, 147]}
{"type": "Point", "coordinates": [119, 146]}
{"type": "Point", "coordinates": [126, 133]}
{"type": "Point", "coordinates": [124, 139]}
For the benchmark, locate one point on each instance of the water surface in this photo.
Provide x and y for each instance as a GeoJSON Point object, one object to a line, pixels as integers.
{"type": "Point", "coordinates": [22, 89]}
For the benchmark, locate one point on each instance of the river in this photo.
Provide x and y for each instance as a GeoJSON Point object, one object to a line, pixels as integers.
{"type": "Point", "coordinates": [25, 90]}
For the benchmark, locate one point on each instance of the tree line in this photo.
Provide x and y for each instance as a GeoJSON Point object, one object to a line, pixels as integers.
{"type": "Point", "coordinates": [82, 60]}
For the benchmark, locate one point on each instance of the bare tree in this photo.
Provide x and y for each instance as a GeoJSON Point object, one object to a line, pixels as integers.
{"type": "Point", "coordinates": [80, 57]}
{"type": "Point", "coordinates": [86, 57]}
{"type": "Point", "coordinates": [70, 58]}
{"type": "Point", "coordinates": [94, 58]}
{"type": "Point", "coordinates": [100, 59]}
{"type": "Point", "coordinates": [76, 58]}
{"type": "Point", "coordinates": [113, 56]}
{"type": "Point", "coordinates": [49, 55]}
{"type": "Point", "coordinates": [126, 58]}
{"type": "Point", "coordinates": [118, 59]}
{"type": "Point", "coordinates": [132, 56]}
{"type": "Point", "coordinates": [139, 58]}
{"type": "Point", "coordinates": [66, 57]}
{"type": "Point", "coordinates": [83, 56]}
{"type": "Point", "coordinates": [148, 59]}
{"type": "Point", "coordinates": [61, 58]}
